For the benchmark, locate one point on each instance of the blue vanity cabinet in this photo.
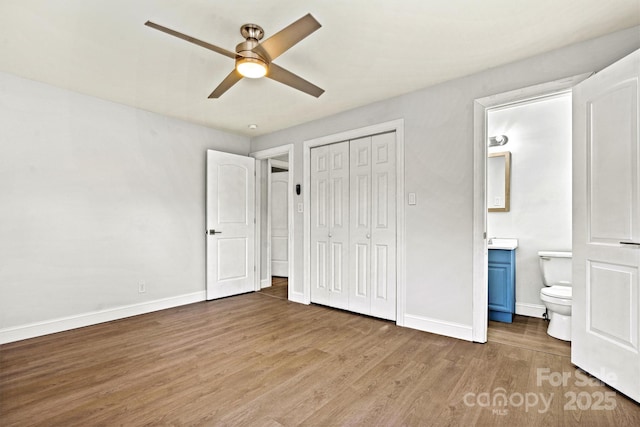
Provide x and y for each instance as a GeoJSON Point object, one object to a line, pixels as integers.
{"type": "Point", "coordinates": [502, 285]}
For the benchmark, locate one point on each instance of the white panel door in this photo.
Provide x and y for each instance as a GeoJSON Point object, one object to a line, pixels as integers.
{"type": "Point", "coordinates": [279, 224]}
{"type": "Point", "coordinates": [606, 226]}
{"type": "Point", "coordinates": [339, 224]}
{"type": "Point", "coordinates": [383, 226]}
{"type": "Point", "coordinates": [320, 225]}
{"type": "Point", "coordinates": [360, 225]}
{"type": "Point", "coordinates": [372, 267]}
{"type": "Point", "coordinates": [230, 224]}
{"type": "Point", "coordinates": [330, 224]}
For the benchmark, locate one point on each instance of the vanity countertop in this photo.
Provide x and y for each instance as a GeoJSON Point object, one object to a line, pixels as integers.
{"type": "Point", "coordinates": [504, 244]}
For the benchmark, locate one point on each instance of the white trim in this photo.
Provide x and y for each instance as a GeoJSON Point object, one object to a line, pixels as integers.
{"type": "Point", "coordinates": [268, 265]}
{"type": "Point", "coordinates": [263, 155]}
{"type": "Point", "coordinates": [258, 215]}
{"type": "Point", "coordinates": [435, 326]}
{"type": "Point", "coordinates": [396, 126]}
{"type": "Point", "coordinates": [531, 310]}
{"type": "Point", "coordinates": [480, 255]}
{"type": "Point", "coordinates": [37, 329]}
{"type": "Point", "coordinates": [265, 283]}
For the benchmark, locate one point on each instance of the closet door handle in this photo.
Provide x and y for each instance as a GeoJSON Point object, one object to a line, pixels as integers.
{"type": "Point", "coordinates": [630, 243]}
{"type": "Point", "coordinates": [368, 236]}
{"type": "Point", "coordinates": [212, 231]}
{"type": "Point", "coordinates": [330, 234]}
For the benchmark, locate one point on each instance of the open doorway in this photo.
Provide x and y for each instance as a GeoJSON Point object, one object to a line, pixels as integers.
{"type": "Point", "coordinates": [483, 109]}
{"type": "Point", "coordinates": [528, 165]}
{"type": "Point", "coordinates": [274, 220]}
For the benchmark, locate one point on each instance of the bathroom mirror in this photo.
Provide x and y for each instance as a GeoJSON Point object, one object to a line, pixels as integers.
{"type": "Point", "coordinates": [498, 181]}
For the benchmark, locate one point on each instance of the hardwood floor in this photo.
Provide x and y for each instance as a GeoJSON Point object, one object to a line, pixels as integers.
{"type": "Point", "coordinates": [258, 360]}
{"type": "Point", "coordinates": [278, 289]}
{"type": "Point", "coordinates": [527, 332]}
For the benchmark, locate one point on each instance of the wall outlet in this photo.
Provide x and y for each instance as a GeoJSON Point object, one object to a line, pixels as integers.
{"type": "Point", "coordinates": [142, 287]}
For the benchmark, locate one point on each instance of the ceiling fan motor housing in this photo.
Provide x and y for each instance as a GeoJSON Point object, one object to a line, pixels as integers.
{"type": "Point", "coordinates": [252, 33]}
{"type": "Point", "coordinates": [245, 50]}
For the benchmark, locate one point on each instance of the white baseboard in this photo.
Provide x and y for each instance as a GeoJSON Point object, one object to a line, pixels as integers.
{"type": "Point", "coordinates": [440, 327]}
{"type": "Point", "coordinates": [531, 310]}
{"type": "Point", "coordinates": [32, 330]}
{"type": "Point", "coordinates": [297, 297]}
{"type": "Point", "coordinates": [265, 283]}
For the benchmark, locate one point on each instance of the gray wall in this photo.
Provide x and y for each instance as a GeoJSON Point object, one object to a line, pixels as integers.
{"type": "Point", "coordinates": [439, 167]}
{"type": "Point", "coordinates": [94, 197]}
{"type": "Point", "coordinates": [540, 215]}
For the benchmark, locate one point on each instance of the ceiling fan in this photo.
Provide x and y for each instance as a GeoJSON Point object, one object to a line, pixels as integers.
{"type": "Point", "coordinates": [254, 59]}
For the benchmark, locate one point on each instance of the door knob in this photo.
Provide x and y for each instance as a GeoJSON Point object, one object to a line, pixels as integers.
{"type": "Point", "coordinates": [368, 236]}
{"type": "Point", "coordinates": [330, 235]}
{"type": "Point", "coordinates": [212, 231]}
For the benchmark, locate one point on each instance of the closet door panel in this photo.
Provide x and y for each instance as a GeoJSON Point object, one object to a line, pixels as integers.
{"type": "Point", "coordinates": [360, 224]}
{"type": "Point", "coordinates": [353, 219]}
{"type": "Point", "coordinates": [320, 207]}
{"type": "Point", "coordinates": [383, 226]}
{"type": "Point", "coordinates": [339, 224]}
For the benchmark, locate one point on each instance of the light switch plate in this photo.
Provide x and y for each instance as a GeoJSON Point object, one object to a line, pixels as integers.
{"type": "Point", "coordinates": [412, 198]}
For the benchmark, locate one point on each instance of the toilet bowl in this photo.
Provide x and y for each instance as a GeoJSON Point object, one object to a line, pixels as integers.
{"type": "Point", "coordinates": [556, 294]}
{"type": "Point", "coordinates": [557, 299]}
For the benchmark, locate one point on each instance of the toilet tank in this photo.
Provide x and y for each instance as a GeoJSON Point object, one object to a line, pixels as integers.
{"type": "Point", "coordinates": [555, 267]}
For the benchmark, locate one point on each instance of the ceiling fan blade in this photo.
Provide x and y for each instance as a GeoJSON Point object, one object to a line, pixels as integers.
{"type": "Point", "coordinates": [190, 39]}
{"type": "Point", "coordinates": [233, 78]}
{"type": "Point", "coordinates": [281, 41]}
{"type": "Point", "coordinates": [283, 76]}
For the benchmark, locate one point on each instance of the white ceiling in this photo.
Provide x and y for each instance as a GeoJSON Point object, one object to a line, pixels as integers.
{"type": "Point", "coordinates": [366, 50]}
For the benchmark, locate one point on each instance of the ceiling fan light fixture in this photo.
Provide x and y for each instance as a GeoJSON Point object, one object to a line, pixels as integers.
{"type": "Point", "coordinates": [252, 68]}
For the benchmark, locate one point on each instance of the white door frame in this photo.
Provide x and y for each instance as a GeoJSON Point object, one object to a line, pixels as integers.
{"type": "Point", "coordinates": [271, 163]}
{"type": "Point", "coordinates": [480, 252]}
{"type": "Point", "coordinates": [268, 223]}
{"type": "Point", "coordinates": [396, 126]}
{"type": "Point", "coordinates": [265, 155]}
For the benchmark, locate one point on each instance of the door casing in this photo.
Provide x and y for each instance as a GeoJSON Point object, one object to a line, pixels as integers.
{"type": "Point", "coordinates": [396, 126]}
{"type": "Point", "coordinates": [480, 251]}
{"type": "Point", "coordinates": [264, 155]}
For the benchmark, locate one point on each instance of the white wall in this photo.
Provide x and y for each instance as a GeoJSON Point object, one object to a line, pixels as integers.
{"type": "Point", "coordinates": [439, 168]}
{"type": "Point", "coordinates": [540, 216]}
{"type": "Point", "coordinates": [94, 197]}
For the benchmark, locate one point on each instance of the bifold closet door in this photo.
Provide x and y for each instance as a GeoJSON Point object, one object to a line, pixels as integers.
{"type": "Point", "coordinates": [330, 224]}
{"type": "Point", "coordinates": [372, 268]}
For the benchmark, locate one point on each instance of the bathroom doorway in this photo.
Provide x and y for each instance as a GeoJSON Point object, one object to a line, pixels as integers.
{"type": "Point", "coordinates": [535, 134]}
{"type": "Point", "coordinates": [482, 107]}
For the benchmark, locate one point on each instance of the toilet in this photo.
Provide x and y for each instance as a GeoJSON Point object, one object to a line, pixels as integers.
{"type": "Point", "coordinates": [555, 267]}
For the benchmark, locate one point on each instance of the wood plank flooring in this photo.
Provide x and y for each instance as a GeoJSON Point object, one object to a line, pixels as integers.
{"type": "Point", "coordinates": [278, 288]}
{"type": "Point", "coordinates": [256, 360]}
{"type": "Point", "coordinates": [527, 332]}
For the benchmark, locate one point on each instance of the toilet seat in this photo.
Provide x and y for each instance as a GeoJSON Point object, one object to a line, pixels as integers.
{"type": "Point", "coordinates": [557, 294]}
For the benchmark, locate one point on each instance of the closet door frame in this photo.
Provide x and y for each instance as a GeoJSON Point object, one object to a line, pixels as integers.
{"type": "Point", "coordinates": [396, 126]}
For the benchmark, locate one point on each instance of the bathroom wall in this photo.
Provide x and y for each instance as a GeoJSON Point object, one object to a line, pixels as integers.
{"type": "Point", "coordinates": [539, 135]}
